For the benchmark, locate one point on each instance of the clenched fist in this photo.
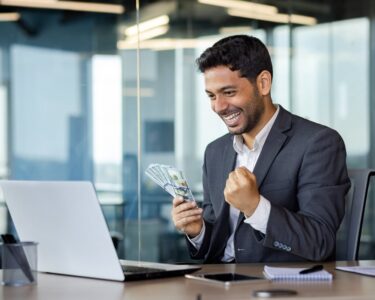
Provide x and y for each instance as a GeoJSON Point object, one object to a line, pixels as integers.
{"type": "Point", "coordinates": [241, 191]}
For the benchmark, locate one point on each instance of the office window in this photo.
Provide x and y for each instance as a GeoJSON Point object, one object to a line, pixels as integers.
{"type": "Point", "coordinates": [3, 131]}
{"type": "Point", "coordinates": [281, 58]}
{"type": "Point", "coordinates": [3, 117]}
{"type": "Point", "coordinates": [49, 115]}
{"type": "Point", "coordinates": [107, 126]}
{"type": "Point", "coordinates": [158, 136]}
{"type": "Point", "coordinates": [78, 113]}
{"type": "Point", "coordinates": [325, 91]}
{"type": "Point", "coordinates": [3, 141]}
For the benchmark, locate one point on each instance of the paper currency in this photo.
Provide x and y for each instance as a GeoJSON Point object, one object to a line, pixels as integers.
{"type": "Point", "coordinates": [170, 179]}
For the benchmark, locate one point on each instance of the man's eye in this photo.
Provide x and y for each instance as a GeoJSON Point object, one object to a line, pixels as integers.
{"type": "Point", "coordinates": [229, 93]}
{"type": "Point", "coordinates": [212, 97]}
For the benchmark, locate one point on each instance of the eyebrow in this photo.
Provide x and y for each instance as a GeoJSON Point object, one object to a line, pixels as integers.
{"type": "Point", "coordinates": [223, 88]}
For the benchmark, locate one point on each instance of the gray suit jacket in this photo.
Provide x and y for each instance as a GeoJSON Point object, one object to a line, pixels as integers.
{"type": "Point", "coordinates": [302, 172]}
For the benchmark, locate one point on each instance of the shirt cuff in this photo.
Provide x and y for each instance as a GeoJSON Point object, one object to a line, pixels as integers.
{"type": "Point", "coordinates": [197, 240]}
{"type": "Point", "coordinates": [259, 219]}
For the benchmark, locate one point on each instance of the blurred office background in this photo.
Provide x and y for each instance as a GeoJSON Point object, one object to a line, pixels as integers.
{"type": "Point", "coordinates": [83, 96]}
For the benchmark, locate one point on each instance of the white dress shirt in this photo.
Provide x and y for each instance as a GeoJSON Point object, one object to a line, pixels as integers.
{"type": "Point", "coordinates": [247, 158]}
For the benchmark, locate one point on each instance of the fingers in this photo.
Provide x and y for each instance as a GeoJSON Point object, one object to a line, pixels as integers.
{"type": "Point", "coordinates": [240, 176]}
{"type": "Point", "coordinates": [185, 212]}
{"type": "Point", "coordinates": [181, 223]}
{"type": "Point", "coordinates": [177, 201]}
{"type": "Point", "coordinates": [243, 173]}
{"type": "Point", "coordinates": [188, 213]}
{"type": "Point", "coordinates": [240, 186]}
{"type": "Point", "coordinates": [179, 204]}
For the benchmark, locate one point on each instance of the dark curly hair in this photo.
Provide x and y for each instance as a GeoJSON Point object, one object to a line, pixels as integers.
{"type": "Point", "coordinates": [242, 53]}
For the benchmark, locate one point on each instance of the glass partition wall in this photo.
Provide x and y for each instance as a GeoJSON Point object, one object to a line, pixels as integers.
{"type": "Point", "coordinates": [99, 97]}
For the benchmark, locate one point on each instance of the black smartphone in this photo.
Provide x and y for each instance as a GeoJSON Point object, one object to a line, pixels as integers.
{"type": "Point", "coordinates": [225, 278]}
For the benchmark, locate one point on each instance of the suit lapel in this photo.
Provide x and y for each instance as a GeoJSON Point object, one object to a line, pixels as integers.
{"type": "Point", "coordinates": [229, 161]}
{"type": "Point", "coordinates": [229, 164]}
{"type": "Point", "coordinates": [274, 142]}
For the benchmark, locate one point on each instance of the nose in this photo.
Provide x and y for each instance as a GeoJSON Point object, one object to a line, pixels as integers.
{"type": "Point", "coordinates": [219, 105]}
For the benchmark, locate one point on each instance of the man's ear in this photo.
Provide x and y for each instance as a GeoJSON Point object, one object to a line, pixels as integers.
{"type": "Point", "coordinates": [264, 83]}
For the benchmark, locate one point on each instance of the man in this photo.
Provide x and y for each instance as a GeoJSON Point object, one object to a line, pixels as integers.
{"type": "Point", "coordinates": [274, 186]}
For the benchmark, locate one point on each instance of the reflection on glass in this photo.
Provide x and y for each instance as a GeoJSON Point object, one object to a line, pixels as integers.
{"type": "Point", "coordinates": [49, 116]}
{"type": "Point", "coordinates": [107, 126]}
{"type": "Point", "coordinates": [3, 131]}
{"type": "Point", "coordinates": [330, 82]}
{"type": "Point", "coordinates": [72, 92]}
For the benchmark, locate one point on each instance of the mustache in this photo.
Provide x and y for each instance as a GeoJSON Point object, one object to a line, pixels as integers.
{"type": "Point", "coordinates": [228, 112]}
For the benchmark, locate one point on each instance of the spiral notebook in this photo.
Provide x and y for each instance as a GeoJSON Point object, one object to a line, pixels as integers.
{"type": "Point", "coordinates": [278, 273]}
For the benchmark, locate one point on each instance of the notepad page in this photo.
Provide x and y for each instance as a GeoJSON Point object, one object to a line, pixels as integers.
{"type": "Point", "coordinates": [363, 270]}
{"type": "Point", "coordinates": [279, 273]}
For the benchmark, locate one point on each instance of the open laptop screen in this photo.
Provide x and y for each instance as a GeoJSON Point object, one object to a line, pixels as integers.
{"type": "Point", "coordinates": [66, 219]}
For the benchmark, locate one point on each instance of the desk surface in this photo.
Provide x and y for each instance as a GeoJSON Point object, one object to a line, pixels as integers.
{"type": "Point", "coordinates": [345, 285]}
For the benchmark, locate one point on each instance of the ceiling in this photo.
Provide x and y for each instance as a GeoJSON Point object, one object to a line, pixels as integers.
{"type": "Point", "coordinates": [186, 15]}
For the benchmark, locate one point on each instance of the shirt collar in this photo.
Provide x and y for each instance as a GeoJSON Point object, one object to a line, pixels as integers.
{"type": "Point", "coordinates": [260, 138]}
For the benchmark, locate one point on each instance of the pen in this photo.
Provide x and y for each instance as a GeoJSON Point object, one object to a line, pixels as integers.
{"type": "Point", "coordinates": [313, 269]}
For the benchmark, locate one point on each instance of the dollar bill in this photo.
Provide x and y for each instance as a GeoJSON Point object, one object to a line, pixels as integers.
{"type": "Point", "coordinates": [154, 172]}
{"type": "Point", "coordinates": [170, 179]}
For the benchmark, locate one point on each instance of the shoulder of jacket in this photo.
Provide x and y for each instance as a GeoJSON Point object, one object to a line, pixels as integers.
{"type": "Point", "coordinates": [221, 141]}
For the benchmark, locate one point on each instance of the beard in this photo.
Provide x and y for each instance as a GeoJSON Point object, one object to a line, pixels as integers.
{"type": "Point", "coordinates": [252, 112]}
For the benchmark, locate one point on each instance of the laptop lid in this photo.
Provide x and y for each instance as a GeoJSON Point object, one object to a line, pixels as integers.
{"type": "Point", "coordinates": [66, 219]}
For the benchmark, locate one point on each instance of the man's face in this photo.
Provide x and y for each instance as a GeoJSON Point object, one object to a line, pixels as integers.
{"type": "Point", "coordinates": [235, 99]}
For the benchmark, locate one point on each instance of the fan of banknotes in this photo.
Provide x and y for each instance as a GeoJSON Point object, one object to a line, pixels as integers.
{"type": "Point", "coordinates": [170, 179]}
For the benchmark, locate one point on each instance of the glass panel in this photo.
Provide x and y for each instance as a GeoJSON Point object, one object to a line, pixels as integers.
{"type": "Point", "coordinates": [315, 78]}
{"type": "Point", "coordinates": [49, 129]}
{"type": "Point", "coordinates": [3, 138]}
{"type": "Point", "coordinates": [350, 89]}
{"type": "Point", "coordinates": [280, 55]}
{"type": "Point", "coordinates": [3, 131]}
{"type": "Point", "coordinates": [107, 116]}
{"type": "Point", "coordinates": [3, 115]}
{"type": "Point", "coordinates": [176, 125]}
{"type": "Point", "coordinates": [3, 152]}
{"type": "Point", "coordinates": [311, 72]}
{"type": "Point", "coordinates": [323, 88]}
{"type": "Point", "coordinates": [71, 84]}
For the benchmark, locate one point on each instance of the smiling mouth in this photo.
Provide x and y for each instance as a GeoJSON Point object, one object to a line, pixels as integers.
{"type": "Point", "coordinates": [231, 116]}
{"type": "Point", "coordinates": [231, 119]}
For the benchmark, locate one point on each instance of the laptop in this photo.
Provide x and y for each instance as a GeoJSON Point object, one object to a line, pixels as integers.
{"type": "Point", "coordinates": [66, 219]}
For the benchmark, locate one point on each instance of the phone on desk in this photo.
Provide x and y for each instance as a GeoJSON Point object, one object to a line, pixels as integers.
{"type": "Point", "coordinates": [225, 278]}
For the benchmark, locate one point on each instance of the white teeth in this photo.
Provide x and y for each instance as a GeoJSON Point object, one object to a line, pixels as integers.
{"type": "Point", "coordinates": [232, 116]}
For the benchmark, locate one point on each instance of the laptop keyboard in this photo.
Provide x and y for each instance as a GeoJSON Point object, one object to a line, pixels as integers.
{"type": "Point", "coordinates": [137, 269]}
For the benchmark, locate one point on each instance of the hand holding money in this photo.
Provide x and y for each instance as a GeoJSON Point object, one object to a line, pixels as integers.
{"type": "Point", "coordinates": [187, 216]}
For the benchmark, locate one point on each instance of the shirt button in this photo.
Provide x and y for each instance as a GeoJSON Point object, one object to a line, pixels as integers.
{"type": "Point", "coordinates": [276, 244]}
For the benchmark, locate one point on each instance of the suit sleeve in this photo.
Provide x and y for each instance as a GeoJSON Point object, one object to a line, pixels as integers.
{"type": "Point", "coordinates": [208, 217]}
{"type": "Point", "coordinates": [321, 188]}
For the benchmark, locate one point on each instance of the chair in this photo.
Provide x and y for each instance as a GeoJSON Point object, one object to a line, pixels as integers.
{"type": "Point", "coordinates": [349, 234]}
